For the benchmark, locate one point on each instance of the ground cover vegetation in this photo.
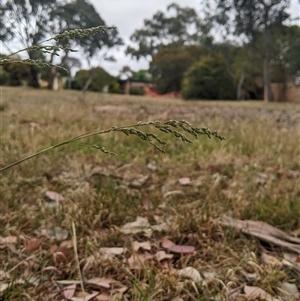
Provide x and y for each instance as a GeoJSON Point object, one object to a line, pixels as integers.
{"type": "Point", "coordinates": [148, 225]}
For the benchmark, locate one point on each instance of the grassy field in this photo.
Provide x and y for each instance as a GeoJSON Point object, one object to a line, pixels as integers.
{"type": "Point", "coordinates": [181, 195]}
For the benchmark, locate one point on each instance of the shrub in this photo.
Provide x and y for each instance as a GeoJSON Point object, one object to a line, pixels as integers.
{"type": "Point", "coordinates": [4, 77]}
{"type": "Point", "coordinates": [14, 73]}
{"type": "Point", "coordinates": [114, 88]}
{"type": "Point", "coordinates": [169, 65]}
{"type": "Point", "coordinates": [136, 91]}
{"type": "Point", "coordinates": [208, 79]}
{"type": "Point", "coordinates": [100, 79]}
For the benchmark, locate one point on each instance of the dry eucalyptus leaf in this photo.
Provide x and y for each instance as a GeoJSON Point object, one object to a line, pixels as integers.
{"type": "Point", "coordinates": [8, 240]}
{"type": "Point", "coordinates": [68, 282]}
{"type": "Point", "coordinates": [190, 272]}
{"type": "Point", "coordinates": [152, 166]}
{"type": "Point", "coordinates": [254, 292]}
{"type": "Point", "coordinates": [83, 296]}
{"type": "Point", "coordinates": [32, 245]}
{"type": "Point", "coordinates": [270, 260]}
{"type": "Point", "coordinates": [184, 181]}
{"type": "Point", "coordinates": [141, 245]}
{"type": "Point", "coordinates": [56, 232]}
{"type": "Point", "coordinates": [136, 261]}
{"type": "Point", "coordinates": [101, 282]}
{"type": "Point", "coordinates": [162, 255]}
{"type": "Point", "coordinates": [113, 251]}
{"type": "Point", "coordinates": [103, 297]}
{"type": "Point", "coordinates": [59, 256]}
{"type": "Point", "coordinates": [172, 247]}
{"type": "Point", "coordinates": [290, 288]}
{"type": "Point", "coordinates": [54, 196]}
{"type": "Point", "coordinates": [117, 293]}
{"type": "Point", "coordinates": [139, 182]}
{"type": "Point", "coordinates": [141, 225]}
{"type": "Point", "coordinates": [182, 249]}
{"type": "Point", "coordinates": [173, 192]}
{"type": "Point", "coordinates": [3, 287]}
{"type": "Point", "coordinates": [69, 291]}
{"type": "Point", "coordinates": [166, 243]}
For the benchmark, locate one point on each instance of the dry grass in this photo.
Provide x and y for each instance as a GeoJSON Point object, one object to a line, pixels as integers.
{"type": "Point", "coordinates": [253, 174]}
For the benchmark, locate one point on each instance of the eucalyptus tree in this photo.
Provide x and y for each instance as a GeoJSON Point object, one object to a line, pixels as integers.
{"type": "Point", "coordinates": [178, 27]}
{"type": "Point", "coordinates": [251, 18]}
{"type": "Point", "coordinates": [30, 22]}
{"type": "Point", "coordinates": [27, 22]}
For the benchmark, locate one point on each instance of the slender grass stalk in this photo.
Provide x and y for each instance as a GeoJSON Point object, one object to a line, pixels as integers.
{"type": "Point", "coordinates": [166, 127]}
{"type": "Point", "coordinates": [74, 238]}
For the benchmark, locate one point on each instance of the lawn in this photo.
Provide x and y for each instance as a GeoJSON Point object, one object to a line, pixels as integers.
{"type": "Point", "coordinates": [66, 221]}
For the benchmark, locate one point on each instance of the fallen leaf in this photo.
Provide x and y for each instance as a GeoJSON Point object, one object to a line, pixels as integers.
{"type": "Point", "coordinates": [141, 245]}
{"type": "Point", "coordinates": [66, 244]}
{"type": "Point", "coordinates": [117, 293]}
{"type": "Point", "coordinates": [190, 272]}
{"type": "Point", "coordinates": [113, 251]}
{"type": "Point", "coordinates": [136, 261]}
{"type": "Point", "coordinates": [162, 255]}
{"type": "Point", "coordinates": [255, 292]}
{"type": "Point", "coordinates": [182, 249]}
{"type": "Point", "coordinates": [52, 268]}
{"type": "Point", "coordinates": [68, 282]}
{"type": "Point", "coordinates": [166, 243]}
{"type": "Point", "coordinates": [290, 288]}
{"type": "Point", "coordinates": [152, 166]}
{"type": "Point", "coordinates": [270, 260]}
{"type": "Point", "coordinates": [172, 247]}
{"type": "Point", "coordinates": [138, 183]}
{"type": "Point", "coordinates": [56, 232]}
{"type": "Point", "coordinates": [32, 245]}
{"type": "Point", "coordinates": [3, 287]}
{"type": "Point", "coordinates": [292, 174]}
{"type": "Point", "coordinates": [140, 225]}
{"type": "Point", "coordinates": [184, 181]}
{"type": "Point", "coordinates": [160, 227]}
{"type": "Point", "coordinates": [100, 282]}
{"type": "Point", "coordinates": [173, 192]}
{"type": "Point", "coordinates": [122, 289]}
{"type": "Point", "coordinates": [69, 291]}
{"type": "Point", "coordinates": [83, 296]}
{"type": "Point", "coordinates": [54, 196]}
{"type": "Point", "coordinates": [59, 256]}
{"type": "Point", "coordinates": [8, 239]}
{"type": "Point", "coordinates": [103, 297]}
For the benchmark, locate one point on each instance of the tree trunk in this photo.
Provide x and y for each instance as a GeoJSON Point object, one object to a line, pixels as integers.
{"type": "Point", "coordinates": [267, 78]}
{"type": "Point", "coordinates": [52, 75]}
{"type": "Point", "coordinates": [34, 77]}
{"type": "Point", "coordinates": [239, 91]}
{"type": "Point", "coordinates": [87, 84]}
{"type": "Point", "coordinates": [34, 71]}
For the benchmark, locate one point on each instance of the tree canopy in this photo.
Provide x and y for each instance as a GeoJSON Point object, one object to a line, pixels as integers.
{"type": "Point", "coordinates": [31, 22]}
{"type": "Point", "coordinates": [169, 65]}
{"type": "Point", "coordinates": [253, 19]}
{"type": "Point", "coordinates": [180, 26]}
{"type": "Point", "coordinates": [208, 79]}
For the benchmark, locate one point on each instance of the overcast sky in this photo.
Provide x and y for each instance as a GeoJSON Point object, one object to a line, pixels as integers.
{"type": "Point", "coordinates": [128, 15]}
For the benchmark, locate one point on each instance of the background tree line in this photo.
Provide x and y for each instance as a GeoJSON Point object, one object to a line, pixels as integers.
{"type": "Point", "coordinates": [229, 52]}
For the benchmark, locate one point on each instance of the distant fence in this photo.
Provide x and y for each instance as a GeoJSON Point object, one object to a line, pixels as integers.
{"type": "Point", "coordinates": [285, 92]}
